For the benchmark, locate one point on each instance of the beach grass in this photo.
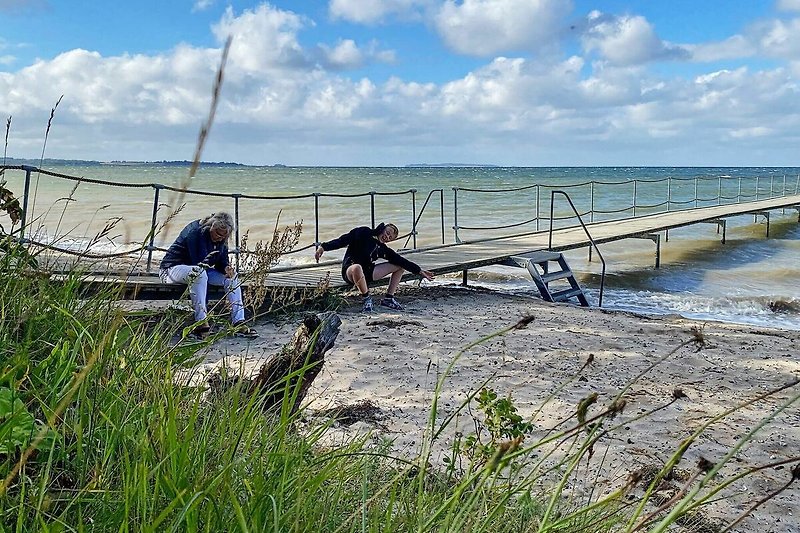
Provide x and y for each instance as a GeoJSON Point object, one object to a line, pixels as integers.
{"type": "Point", "coordinates": [103, 429]}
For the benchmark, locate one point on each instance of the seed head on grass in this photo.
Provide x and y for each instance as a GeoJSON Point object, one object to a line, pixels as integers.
{"type": "Point", "coordinates": [523, 322]}
{"type": "Point", "coordinates": [677, 394]}
{"type": "Point", "coordinates": [584, 405]}
{"type": "Point", "coordinates": [704, 465]}
{"type": "Point", "coordinates": [698, 337]}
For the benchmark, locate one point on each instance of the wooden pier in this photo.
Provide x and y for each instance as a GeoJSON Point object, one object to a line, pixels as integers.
{"type": "Point", "coordinates": [468, 255]}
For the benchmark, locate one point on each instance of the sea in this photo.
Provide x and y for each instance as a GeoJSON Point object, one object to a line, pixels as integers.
{"type": "Point", "coordinates": [751, 279]}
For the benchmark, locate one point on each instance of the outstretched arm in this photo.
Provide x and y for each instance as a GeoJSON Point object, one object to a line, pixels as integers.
{"type": "Point", "coordinates": [335, 244]}
{"type": "Point", "coordinates": [397, 259]}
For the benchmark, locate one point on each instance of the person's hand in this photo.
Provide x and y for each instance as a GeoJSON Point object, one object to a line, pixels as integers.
{"type": "Point", "coordinates": [427, 274]}
{"type": "Point", "coordinates": [318, 253]}
{"type": "Point", "coordinates": [229, 271]}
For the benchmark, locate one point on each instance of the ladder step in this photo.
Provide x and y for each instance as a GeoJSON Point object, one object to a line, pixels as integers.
{"type": "Point", "coordinates": [558, 274]}
{"type": "Point", "coordinates": [541, 256]}
{"type": "Point", "coordinates": [566, 294]}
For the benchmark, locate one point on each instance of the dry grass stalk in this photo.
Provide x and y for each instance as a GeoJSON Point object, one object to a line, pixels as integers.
{"type": "Point", "coordinates": [177, 201]}
{"type": "Point", "coordinates": [5, 152]}
{"type": "Point", "coordinates": [44, 148]}
{"type": "Point", "coordinates": [257, 262]}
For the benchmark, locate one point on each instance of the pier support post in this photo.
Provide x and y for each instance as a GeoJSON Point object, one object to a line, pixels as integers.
{"type": "Point", "coordinates": [721, 223]}
{"type": "Point", "coordinates": [764, 214]}
{"type": "Point", "coordinates": [656, 238]}
{"type": "Point", "coordinates": [464, 278]}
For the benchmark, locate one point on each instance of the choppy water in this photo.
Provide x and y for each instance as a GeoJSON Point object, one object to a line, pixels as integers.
{"type": "Point", "coordinates": [748, 280]}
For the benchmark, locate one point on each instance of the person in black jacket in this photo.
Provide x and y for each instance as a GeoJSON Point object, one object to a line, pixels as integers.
{"type": "Point", "coordinates": [364, 246]}
{"type": "Point", "coordinates": [198, 258]}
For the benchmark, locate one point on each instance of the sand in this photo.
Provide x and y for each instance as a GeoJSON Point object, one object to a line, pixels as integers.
{"type": "Point", "coordinates": [394, 359]}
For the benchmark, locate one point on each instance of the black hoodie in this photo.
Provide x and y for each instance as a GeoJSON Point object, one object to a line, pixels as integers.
{"type": "Point", "coordinates": [364, 248]}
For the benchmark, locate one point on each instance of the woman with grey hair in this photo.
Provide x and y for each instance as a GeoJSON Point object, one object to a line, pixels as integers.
{"type": "Point", "coordinates": [199, 258]}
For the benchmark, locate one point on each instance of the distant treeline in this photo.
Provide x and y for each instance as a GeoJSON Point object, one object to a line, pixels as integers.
{"type": "Point", "coordinates": [82, 162]}
{"type": "Point", "coordinates": [455, 165]}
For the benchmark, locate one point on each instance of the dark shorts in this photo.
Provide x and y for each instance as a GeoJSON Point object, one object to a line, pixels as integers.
{"type": "Point", "coordinates": [367, 271]}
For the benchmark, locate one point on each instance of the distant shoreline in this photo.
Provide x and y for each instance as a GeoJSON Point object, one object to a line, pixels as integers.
{"type": "Point", "coordinates": [232, 164]}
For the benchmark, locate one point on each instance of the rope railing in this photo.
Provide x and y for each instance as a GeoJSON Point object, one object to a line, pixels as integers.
{"type": "Point", "coordinates": [601, 198]}
{"type": "Point", "coordinates": [677, 188]}
{"type": "Point", "coordinates": [150, 245]}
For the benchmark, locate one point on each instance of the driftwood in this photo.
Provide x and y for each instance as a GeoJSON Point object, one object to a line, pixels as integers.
{"type": "Point", "coordinates": [291, 372]}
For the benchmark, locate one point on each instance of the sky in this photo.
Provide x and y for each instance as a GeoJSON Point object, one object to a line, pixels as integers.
{"type": "Point", "coordinates": [396, 82]}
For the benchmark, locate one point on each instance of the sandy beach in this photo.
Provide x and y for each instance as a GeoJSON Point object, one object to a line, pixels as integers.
{"type": "Point", "coordinates": [394, 359]}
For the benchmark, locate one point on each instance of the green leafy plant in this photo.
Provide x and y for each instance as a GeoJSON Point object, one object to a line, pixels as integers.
{"type": "Point", "coordinates": [500, 422]}
{"type": "Point", "coordinates": [18, 426]}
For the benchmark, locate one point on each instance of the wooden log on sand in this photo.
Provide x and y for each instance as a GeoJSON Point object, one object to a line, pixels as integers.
{"type": "Point", "coordinates": [291, 372]}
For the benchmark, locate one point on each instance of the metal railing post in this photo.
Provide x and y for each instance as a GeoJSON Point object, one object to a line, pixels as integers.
{"type": "Point", "coordinates": [316, 220]}
{"type": "Point", "coordinates": [26, 193]}
{"type": "Point", "coordinates": [634, 197]}
{"type": "Point", "coordinates": [441, 206]}
{"type": "Point", "coordinates": [771, 185]}
{"type": "Point", "coordinates": [236, 225]}
{"type": "Point", "coordinates": [783, 191]}
{"type": "Point", "coordinates": [719, 190]}
{"type": "Point", "coordinates": [758, 186]}
{"type": "Point", "coordinates": [739, 192]}
{"type": "Point", "coordinates": [537, 206]}
{"type": "Point", "coordinates": [669, 192]}
{"type": "Point", "coordinates": [414, 217]}
{"type": "Point", "coordinates": [372, 207]}
{"type": "Point", "coordinates": [695, 191]}
{"type": "Point", "coordinates": [455, 214]}
{"type": "Point", "coordinates": [591, 207]}
{"type": "Point", "coordinates": [157, 189]}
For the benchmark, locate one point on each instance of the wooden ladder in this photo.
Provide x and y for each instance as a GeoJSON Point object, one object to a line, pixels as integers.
{"type": "Point", "coordinates": [534, 261]}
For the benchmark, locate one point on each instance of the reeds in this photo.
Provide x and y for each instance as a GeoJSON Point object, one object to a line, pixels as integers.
{"type": "Point", "coordinates": [121, 441]}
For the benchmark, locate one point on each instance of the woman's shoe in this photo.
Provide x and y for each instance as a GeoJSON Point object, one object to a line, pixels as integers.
{"type": "Point", "coordinates": [240, 329]}
{"type": "Point", "coordinates": [201, 331]}
{"type": "Point", "coordinates": [392, 303]}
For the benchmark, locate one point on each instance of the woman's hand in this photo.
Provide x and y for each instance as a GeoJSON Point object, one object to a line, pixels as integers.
{"type": "Point", "coordinates": [427, 274]}
{"type": "Point", "coordinates": [230, 272]}
{"type": "Point", "coordinates": [318, 253]}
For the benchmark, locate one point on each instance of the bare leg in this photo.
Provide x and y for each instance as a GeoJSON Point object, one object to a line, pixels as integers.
{"type": "Point", "coordinates": [384, 269]}
{"type": "Point", "coordinates": [356, 274]}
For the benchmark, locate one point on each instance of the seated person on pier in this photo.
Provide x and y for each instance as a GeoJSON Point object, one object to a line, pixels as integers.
{"type": "Point", "coordinates": [364, 246]}
{"type": "Point", "coordinates": [199, 258]}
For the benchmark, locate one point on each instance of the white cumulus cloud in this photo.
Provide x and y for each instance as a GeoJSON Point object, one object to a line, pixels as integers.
{"type": "Point", "coordinates": [486, 27]}
{"type": "Point", "coordinates": [202, 5]}
{"type": "Point", "coordinates": [375, 11]}
{"type": "Point", "coordinates": [788, 5]}
{"type": "Point", "coordinates": [627, 40]}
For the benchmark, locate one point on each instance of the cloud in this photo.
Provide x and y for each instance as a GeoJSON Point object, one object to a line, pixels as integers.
{"type": "Point", "coordinates": [283, 102]}
{"type": "Point", "coordinates": [202, 5]}
{"type": "Point", "coordinates": [375, 11]}
{"type": "Point", "coordinates": [788, 5]}
{"type": "Point", "coordinates": [346, 55]}
{"type": "Point", "coordinates": [779, 39]}
{"type": "Point", "coordinates": [486, 27]}
{"type": "Point", "coordinates": [16, 7]}
{"type": "Point", "coordinates": [627, 40]}
{"type": "Point", "coordinates": [265, 38]}
{"type": "Point", "coordinates": [7, 59]}
{"type": "Point", "coordinates": [734, 47]}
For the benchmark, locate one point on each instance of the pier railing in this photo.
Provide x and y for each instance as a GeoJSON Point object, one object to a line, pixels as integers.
{"type": "Point", "coordinates": [516, 210]}
{"type": "Point", "coordinates": [602, 200]}
{"type": "Point", "coordinates": [149, 247]}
